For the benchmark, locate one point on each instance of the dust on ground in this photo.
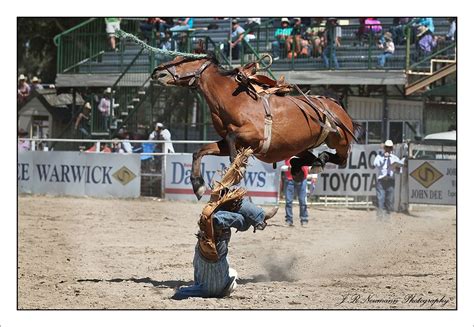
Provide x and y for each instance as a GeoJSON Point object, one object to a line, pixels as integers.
{"type": "Point", "coordinates": [88, 253]}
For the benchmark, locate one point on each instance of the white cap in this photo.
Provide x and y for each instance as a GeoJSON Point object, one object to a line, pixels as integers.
{"type": "Point", "coordinates": [108, 90]}
{"type": "Point", "coordinates": [388, 143]}
{"type": "Point", "coordinates": [285, 20]}
{"type": "Point", "coordinates": [159, 125]}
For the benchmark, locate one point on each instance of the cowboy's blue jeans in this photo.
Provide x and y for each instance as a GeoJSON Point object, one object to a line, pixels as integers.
{"type": "Point", "coordinates": [211, 278]}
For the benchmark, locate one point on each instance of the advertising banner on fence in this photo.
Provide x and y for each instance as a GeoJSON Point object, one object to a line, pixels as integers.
{"type": "Point", "coordinates": [432, 181]}
{"type": "Point", "coordinates": [261, 180]}
{"type": "Point", "coordinates": [79, 174]}
{"type": "Point", "coordinates": [357, 178]}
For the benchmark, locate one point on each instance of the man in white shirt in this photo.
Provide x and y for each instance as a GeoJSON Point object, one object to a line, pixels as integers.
{"type": "Point", "coordinates": [161, 133]}
{"type": "Point", "coordinates": [386, 166]}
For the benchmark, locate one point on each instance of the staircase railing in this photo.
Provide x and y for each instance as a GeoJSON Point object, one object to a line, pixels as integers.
{"type": "Point", "coordinates": [84, 43]}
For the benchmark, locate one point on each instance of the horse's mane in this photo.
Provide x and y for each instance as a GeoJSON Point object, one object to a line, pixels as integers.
{"type": "Point", "coordinates": [222, 71]}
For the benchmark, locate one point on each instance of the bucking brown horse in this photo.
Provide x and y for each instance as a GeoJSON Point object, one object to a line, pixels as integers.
{"type": "Point", "coordinates": [276, 127]}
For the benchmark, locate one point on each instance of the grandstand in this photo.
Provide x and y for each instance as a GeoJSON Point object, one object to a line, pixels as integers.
{"type": "Point", "coordinates": [376, 96]}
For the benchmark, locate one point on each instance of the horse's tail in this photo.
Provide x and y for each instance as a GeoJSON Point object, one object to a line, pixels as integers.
{"type": "Point", "coordinates": [357, 130]}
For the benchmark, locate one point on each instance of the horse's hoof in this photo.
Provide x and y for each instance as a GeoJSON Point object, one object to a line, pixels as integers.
{"type": "Point", "coordinates": [198, 186]}
{"type": "Point", "coordinates": [200, 192]}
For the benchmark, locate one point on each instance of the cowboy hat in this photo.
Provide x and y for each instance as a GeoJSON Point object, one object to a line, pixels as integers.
{"type": "Point", "coordinates": [34, 79]}
{"type": "Point", "coordinates": [235, 21]}
{"type": "Point", "coordinates": [388, 36]}
{"type": "Point", "coordinates": [422, 29]}
{"type": "Point", "coordinates": [388, 144]}
{"type": "Point", "coordinates": [159, 125]}
{"type": "Point", "coordinates": [22, 77]}
{"type": "Point", "coordinates": [87, 105]}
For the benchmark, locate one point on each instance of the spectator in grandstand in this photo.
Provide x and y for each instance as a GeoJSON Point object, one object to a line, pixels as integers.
{"type": "Point", "coordinates": [159, 25]}
{"type": "Point", "coordinates": [168, 43]}
{"type": "Point", "coordinates": [315, 35]}
{"type": "Point", "coordinates": [182, 25]}
{"type": "Point", "coordinates": [426, 42]}
{"type": "Point", "coordinates": [280, 35]}
{"type": "Point", "coordinates": [368, 27]}
{"type": "Point", "coordinates": [291, 187]}
{"type": "Point", "coordinates": [23, 145]}
{"type": "Point", "coordinates": [24, 89]}
{"type": "Point", "coordinates": [235, 40]}
{"type": "Point", "coordinates": [386, 164]}
{"type": "Point", "coordinates": [451, 35]}
{"type": "Point", "coordinates": [35, 83]}
{"type": "Point", "coordinates": [104, 108]}
{"type": "Point", "coordinates": [112, 24]}
{"type": "Point", "coordinates": [398, 30]}
{"type": "Point", "coordinates": [252, 23]}
{"type": "Point", "coordinates": [83, 120]}
{"type": "Point", "coordinates": [388, 47]}
{"type": "Point", "coordinates": [296, 37]}
{"type": "Point", "coordinates": [332, 41]}
{"type": "Point", "coordinates": [161, 133]}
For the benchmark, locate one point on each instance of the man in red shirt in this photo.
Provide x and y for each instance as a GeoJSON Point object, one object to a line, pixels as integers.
{"type": "Point", "coordinates": [292, 187]}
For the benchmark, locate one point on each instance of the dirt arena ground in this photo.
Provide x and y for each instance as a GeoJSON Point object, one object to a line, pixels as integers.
{"type": "Point", "coordinates": [83, 253]}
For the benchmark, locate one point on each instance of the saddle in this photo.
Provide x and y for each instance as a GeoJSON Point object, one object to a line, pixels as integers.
{"type": "Point", "coordinates": [261, 84]}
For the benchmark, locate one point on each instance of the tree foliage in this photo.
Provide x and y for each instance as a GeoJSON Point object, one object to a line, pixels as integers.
{"type": "Point", "coordinates": [36, 50]}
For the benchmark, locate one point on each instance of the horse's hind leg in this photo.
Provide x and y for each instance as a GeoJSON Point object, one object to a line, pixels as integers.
{"type": "Point", "coordinates": [217, 149]}
{"type": "Point", "coordinates": [339, 158]}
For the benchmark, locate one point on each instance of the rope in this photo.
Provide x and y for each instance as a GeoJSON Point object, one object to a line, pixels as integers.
{"type": "Point", "coordinates": [124, 35]}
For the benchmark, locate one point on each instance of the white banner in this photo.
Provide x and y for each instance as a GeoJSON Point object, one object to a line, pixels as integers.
{"type": "Point", "coordinates": [357, 178]}
{"type": "Point", "coordinates": [79, 173]}
{"type": "Point", "coordinates": [432, 181]}
{"type": "Point", "coordinates": [261, 180]}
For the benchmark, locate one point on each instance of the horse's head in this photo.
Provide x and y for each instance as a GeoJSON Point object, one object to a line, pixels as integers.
{"type": "Point", "coordinates": [181, 71]}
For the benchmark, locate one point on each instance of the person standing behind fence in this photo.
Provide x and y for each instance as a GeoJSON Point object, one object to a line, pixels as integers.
{"type": "Point", "coordinates": [23, 145]}
{"type": "Point", "coordinates": [161, 133]}
{"type": "Point", "coordinates": [385, 164]}
{"type": "Point", "coordinates": [83, 120]}
{"type": "Point", "coordinates": [292, 187]}
{"type": "Point", "coordinates": [104, 108]}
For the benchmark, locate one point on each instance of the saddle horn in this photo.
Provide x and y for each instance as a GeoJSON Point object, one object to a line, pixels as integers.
{"type": "Point", "coordinates": [261, 60]}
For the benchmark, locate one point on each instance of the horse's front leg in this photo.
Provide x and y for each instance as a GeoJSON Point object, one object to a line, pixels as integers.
{"type": "Point", "coordinates": [230, 138]}
{"type": "Point", "coordinates": [220, 148]}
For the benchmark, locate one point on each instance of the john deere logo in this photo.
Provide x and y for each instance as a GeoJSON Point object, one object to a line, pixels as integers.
{"type": "Point", "coordinates": [426, 175]}
{"type": "Point", "coordinates": [124, 175]}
